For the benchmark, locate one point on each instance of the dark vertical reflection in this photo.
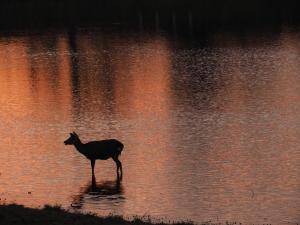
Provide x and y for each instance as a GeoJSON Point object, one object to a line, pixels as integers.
{"type": "Point", "coordinates": [33, 63]}
{"type": "Point", "coordinates": [199, 74]}
{"type": "Point", "coordinates": [49, 50]}
{"type": "Point", "coordinates": [51, 45]}
{"type": "Point", "coordinates": [45, 63]}
{"type": "Point", "coordinates": [107, 76]}
{"type": "Point", "coordinates": [75, 79]}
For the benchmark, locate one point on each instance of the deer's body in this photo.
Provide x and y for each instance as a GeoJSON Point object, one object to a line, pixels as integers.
{"type": "Point", "coordinates": [102, 150]}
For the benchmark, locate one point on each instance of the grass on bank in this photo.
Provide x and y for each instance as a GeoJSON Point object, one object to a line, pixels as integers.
{"type": "Point", "coordinates": [54, 215]}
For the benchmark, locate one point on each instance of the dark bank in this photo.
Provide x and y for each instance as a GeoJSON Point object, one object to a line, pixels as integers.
{"type": "Point", "coordinates": [176, 15]}
{"type": "Point", "coordinates": [18, 214]}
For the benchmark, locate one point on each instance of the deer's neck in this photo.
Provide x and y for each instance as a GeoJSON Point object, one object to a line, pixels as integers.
{"type": "Point", "coordinates": [79, 146]}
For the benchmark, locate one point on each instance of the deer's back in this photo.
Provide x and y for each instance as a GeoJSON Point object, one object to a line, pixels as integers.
{"type": "Point", "coordinates": [103, 149]}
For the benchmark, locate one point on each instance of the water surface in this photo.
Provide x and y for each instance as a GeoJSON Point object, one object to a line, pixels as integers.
{"type": "Point", "coordinates": [211, 131]}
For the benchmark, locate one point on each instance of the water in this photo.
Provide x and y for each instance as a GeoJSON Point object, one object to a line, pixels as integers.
{"type": "Point", "coordinates": [211, 131]}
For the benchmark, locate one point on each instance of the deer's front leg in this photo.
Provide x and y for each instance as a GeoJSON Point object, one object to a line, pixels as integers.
{"type": "Point", "coordinates": [93, 166]}
{"type": "Point", "coordinates": [119, 168]}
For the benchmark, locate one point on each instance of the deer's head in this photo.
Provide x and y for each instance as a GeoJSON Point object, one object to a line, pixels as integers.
{"type": "Point", "coordinates": [72, 139]}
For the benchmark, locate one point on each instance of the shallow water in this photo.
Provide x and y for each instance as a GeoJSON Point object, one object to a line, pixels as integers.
{"type": "Point", "coordinates": [211, 131]}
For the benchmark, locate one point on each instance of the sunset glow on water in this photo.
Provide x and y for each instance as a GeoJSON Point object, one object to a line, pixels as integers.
{"type": "Point", "coordinates": [211, 133]}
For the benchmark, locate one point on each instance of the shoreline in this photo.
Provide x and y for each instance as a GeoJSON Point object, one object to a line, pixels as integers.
{"type": "Point", "coordinates": [14, 214]}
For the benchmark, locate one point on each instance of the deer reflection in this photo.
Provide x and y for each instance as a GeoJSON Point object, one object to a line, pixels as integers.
{"type": "Point", "coordinates": [105, 192]}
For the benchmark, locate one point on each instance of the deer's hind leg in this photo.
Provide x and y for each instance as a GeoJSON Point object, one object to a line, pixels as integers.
{"type": "Point", "coordinates": [119, 167]}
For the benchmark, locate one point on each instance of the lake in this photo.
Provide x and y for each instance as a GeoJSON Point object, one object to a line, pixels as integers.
{"type": "Point", "coordinates": [211, 128]}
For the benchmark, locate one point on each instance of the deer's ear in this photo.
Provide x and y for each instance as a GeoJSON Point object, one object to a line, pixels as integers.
{"type": "Point", "coordinates": [71, 134]}
{"type": "Point", "coordinates": [75, 134]}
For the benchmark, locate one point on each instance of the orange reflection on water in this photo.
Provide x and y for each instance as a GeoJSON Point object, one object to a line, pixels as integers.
{"type": "Point", "coordinates": [143, 85]}
{"type": "Point", "coordinates": [27, 80]}
{"type": "Point", "coordinates": [14, 81]}
{"type": "Point", "coordinates": [143, 95]}
{"type": "Point", "coordinates": [51, 91]}
{"type": "Point", "coordinates": [32, 94]}
{"type": "Point", "coordinates": [218, 143]}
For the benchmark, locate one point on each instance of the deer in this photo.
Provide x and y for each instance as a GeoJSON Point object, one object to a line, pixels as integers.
{"type": "Point", "coordinates": [103, 150]}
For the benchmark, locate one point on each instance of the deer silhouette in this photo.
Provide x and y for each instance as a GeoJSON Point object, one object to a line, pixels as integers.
{"type": "Point", "coordinates": [102, 150]}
